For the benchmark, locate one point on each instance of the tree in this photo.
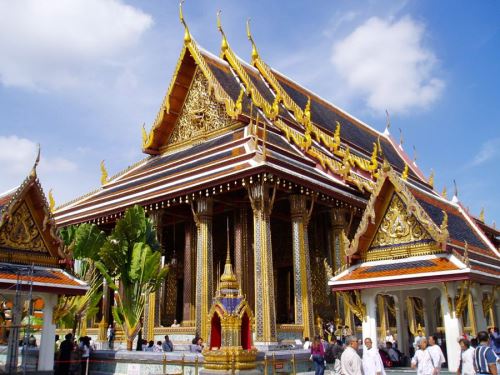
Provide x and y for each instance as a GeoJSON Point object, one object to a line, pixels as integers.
{"type": "Point", "coordinates": [84, 243]}
{"type": "Point", "coordinates": [130, 261]}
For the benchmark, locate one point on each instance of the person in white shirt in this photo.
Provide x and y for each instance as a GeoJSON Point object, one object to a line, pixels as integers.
{"type": "Point", "coordinates": [390, 338]}
{"type": "Point", "coordinates": [418, 338]}
{"type": "Point", "coordinates": [466, 358]}
{"type": "Point", "coordinates": [422, 359]}
{"type": "Point", "coordinates": [437, 355]}
{"type": "Point", "coordinates": [307, 343]}
{"type": "Point", "coordinates": [350, 360]}
{"type": "Point", "coordinates": [372, 363]}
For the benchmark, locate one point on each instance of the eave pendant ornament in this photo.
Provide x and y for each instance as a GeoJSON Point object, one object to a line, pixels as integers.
{"type": "Point", "coordinates": [231, 321]}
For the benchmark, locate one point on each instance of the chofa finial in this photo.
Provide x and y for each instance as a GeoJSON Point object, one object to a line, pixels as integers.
{"type": "Point", "coordinates": [431, 179]}
{"type": "Point", "coordinates": [387, 123]}
{"type": "Point", "coordinates": [255, 53]}
{"type": "Point", "coordinates": [224, 44]}
{"type": "Point", "coordinates": [104, 173]}
{"type": "Point", "coordinates": [52, 202]}
{"type": "Point", "coordinates": [187, 34]}
{"type": "Point", "coordinates": [37, 161]}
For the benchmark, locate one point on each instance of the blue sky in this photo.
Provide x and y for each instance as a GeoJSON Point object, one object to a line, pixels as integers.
{"type": "Point", "coordinates": [80, 77]}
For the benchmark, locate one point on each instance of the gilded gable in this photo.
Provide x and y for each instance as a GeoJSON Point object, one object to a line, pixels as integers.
{"type": "Point", "coordinates": [399, 234]}
{"type": "Point", "coordinates": [21, 232]}
{"type": "Point", "coordinates": [201, 114]}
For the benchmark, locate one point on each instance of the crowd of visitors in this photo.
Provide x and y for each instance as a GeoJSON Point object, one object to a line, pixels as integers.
{"type": "Point", "coordinates": [479, 356]}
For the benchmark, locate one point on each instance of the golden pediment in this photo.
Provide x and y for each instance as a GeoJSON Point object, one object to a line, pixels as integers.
{"type": "Point", "coordinates": [399, 227]}
{"type": "Point", "coordinates": [21, 232]}
{"type": "Point", "coordinates": [201, 114]}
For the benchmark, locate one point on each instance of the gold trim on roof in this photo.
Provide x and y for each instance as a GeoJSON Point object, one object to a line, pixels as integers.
{"type": "Point", "coordinates": [233, 108]}
{"type": "Point", "coordinates": [438, 233]}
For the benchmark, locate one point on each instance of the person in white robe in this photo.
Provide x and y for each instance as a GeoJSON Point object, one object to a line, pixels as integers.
{"type": "Point", "coordinates": [422, 360]}
{"type": "Point", "coordinates": [372, 363]}
{"type": "Point", "coordinates": [437, 355]}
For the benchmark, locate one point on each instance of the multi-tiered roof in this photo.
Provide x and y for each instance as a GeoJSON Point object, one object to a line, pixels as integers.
{"type": "Point", "coordinates": [224, 121]}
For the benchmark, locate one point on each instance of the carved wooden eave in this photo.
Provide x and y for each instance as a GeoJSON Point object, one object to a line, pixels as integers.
{"type": "Point", "coordinates": [27, 228]}
{"type": "Point", "coordinates": [391, 190]}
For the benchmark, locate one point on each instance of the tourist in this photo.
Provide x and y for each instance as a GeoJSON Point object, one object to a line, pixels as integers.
{"type": "Point", "coordinates": [175, 324]}
{"type": "Point", "coordinates": [110, 334]}
{"type": "Point", "coordinates": [372, 363]}
{"type": "Point", "coordinates": [338, 335]}
{"type": "Point", "coordinates": [390, 338]}
{"type": "Point", "coordinates": [436, 353]}
{"type": "Point", "coordinates": [392, 353]}
{"type": "Point", "coordinates": [418, 338]}
{"type": "Point", "coordinates": [332, 356]}
{"type": "Point", "coordinates": [494, 340]}
{"type": "Point", "coordinates": [167, 345]}
{"type": "Point", "coordinates": [422, 360]}
{"type": "Point", "coordinates": [346, 331]}
{"type": "Point", "coordinates": [484, 357]}
{"type": "Point", "coordinates": [150, 346]}
{"type": "Point", "coordinates": [197, 345]}
{"type": "Point", "coordinates": [65, 354]}
{"type": "Point", "coordinates": [318, 356]}
{"type": "Point", "coordinates": [466, 358]}
{"type": "Point", "coordinates": [84, 348]}
{"type": "Point", "coordinates": [307, 343]}
{"type": "Point", "coordinates": [158, 348]}
{"type": "Point", "coordinates": [350, 361]}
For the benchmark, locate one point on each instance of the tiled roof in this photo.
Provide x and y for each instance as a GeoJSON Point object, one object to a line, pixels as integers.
{"type": "Point", "coordinates": [401, 268]}
{"type": "Point", "coordinates": [42, 278]}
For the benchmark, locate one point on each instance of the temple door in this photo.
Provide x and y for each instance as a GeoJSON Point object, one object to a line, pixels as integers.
{"type": "Point", "coordinates": [215, 332]}
{"type": "Point", "coordinates": [246, 334]}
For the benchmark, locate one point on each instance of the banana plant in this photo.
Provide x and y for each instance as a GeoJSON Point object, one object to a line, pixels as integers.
{"type": "Point", "coordinates": [130, 261]}
{"type": "Point", "coordinates": [84, 243]}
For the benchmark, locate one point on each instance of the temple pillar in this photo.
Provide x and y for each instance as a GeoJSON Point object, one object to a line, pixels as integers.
{"type": "Point", "coordinates": [149, 317]}
{"type": "Point", "coordinates": [204, 264]}
{"type": "Point", "coordinates": [241, 250]}
{"type": "Point", "coordinates": [401, 337]}
{"type": "Point", "coordinates": [13, 342]}
{"type": "Point", "coordinates": [187, 297]}
{"type": "Point", "coordinates": [46, 354]}
{"type": "Point", "coordinates": [477, 304]}
{"type": "Point", "coordinates": [452, 327]}
{"type": "Point", "coordinates": [369, 323]}
{"type": "Point", "coordinates": [301, 266]}
{"type": "Point", "coordinates": [265, 309]}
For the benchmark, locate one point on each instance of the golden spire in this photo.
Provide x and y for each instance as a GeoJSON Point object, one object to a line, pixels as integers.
{"type": "Point", "coordinates": [228, 278]}
{"type": "Point", "coordinates": [224, 45]}
{"type": "Point", "coordinates": [444, 193]}
{"type": "Point", "coordinates": [187, 34]}
{"type": "Point", "coordinates": [431, 179]}
{"type": "Point", "coordinates": [37, 161]}
{"type": "Point", "coordinates": [104, 173]}
{"type": "Point", "coordinates": [481, 215]}
{"type": "Point", "coordinates": [404, 175]}
{"type": "Point", "coordinates": [255, 53]}
{"type": "Point", "coordinates": [52, 202]}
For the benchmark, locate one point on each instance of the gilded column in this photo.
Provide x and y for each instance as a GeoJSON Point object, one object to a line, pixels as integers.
{"type": "Point", "coordinates": [187, 293]}
{"type": "Point", "coordinates": [204, 264]}
{"type": "Point", "coordinates": [338, 221]}
{"type": "Point", "coordinates": [265, 310]}
{"type": "Point", "coordinates": [241, 249]}
{"type": "Point", "coordinates": [301, 265]}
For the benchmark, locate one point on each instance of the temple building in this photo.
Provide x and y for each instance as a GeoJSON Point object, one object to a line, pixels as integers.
{"type": "Point", "coordinates": [305, 186]}
{"type": "Point", "coordinates": [33, 274]}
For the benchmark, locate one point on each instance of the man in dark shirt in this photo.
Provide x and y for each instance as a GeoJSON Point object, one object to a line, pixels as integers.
{"type": "Point", "coordinates": [65, 354]}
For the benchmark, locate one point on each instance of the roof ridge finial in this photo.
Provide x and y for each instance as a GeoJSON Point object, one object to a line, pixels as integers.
{"type": "Point", "coordinates": [224, 43]}
{"type": "Point", "coordinates": [187, 34]}
{"type": "Point", "coordinates": [455, 192]}
{"type": "Point", "coordinates": [387, 123]}
{"type": "Point", "coordinates": [431, 179]}
{"type": "Point", "coordinates": [37, 161]}
{"type": "Point", "coordinates": [104, 173]}
{"type": "Point", "coordinates": [401, 140]}
{"type": "Point", "coordinates": [481, 214]}
{"type": "Point", "coordinates": [414, 155]}
{"type": "Point", "coordinates": [52, 202]}
{"type": "Point", "coordinates": [255, 52]}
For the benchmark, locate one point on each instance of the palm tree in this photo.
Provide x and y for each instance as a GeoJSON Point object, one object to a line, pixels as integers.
{"type": "Point", "coordinates": [130, 261]}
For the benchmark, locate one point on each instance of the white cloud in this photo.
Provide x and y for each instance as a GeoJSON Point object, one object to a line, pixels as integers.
{"type": "Point", "coordinates": [386, 63]}
{"type": "Point", "coordinates": [47, 44]}
{"type": "Point", "coordinates": [17, 156]}
{"type": "Point", "coordinates": [488, 151]}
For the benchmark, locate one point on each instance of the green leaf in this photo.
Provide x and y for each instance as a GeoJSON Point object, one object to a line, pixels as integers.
{"type": "Point", "coordinates": [89, 240]}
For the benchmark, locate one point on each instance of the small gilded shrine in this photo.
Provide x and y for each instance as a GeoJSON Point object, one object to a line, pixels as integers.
{"type": "Point", "coordinates": [231, 320]}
